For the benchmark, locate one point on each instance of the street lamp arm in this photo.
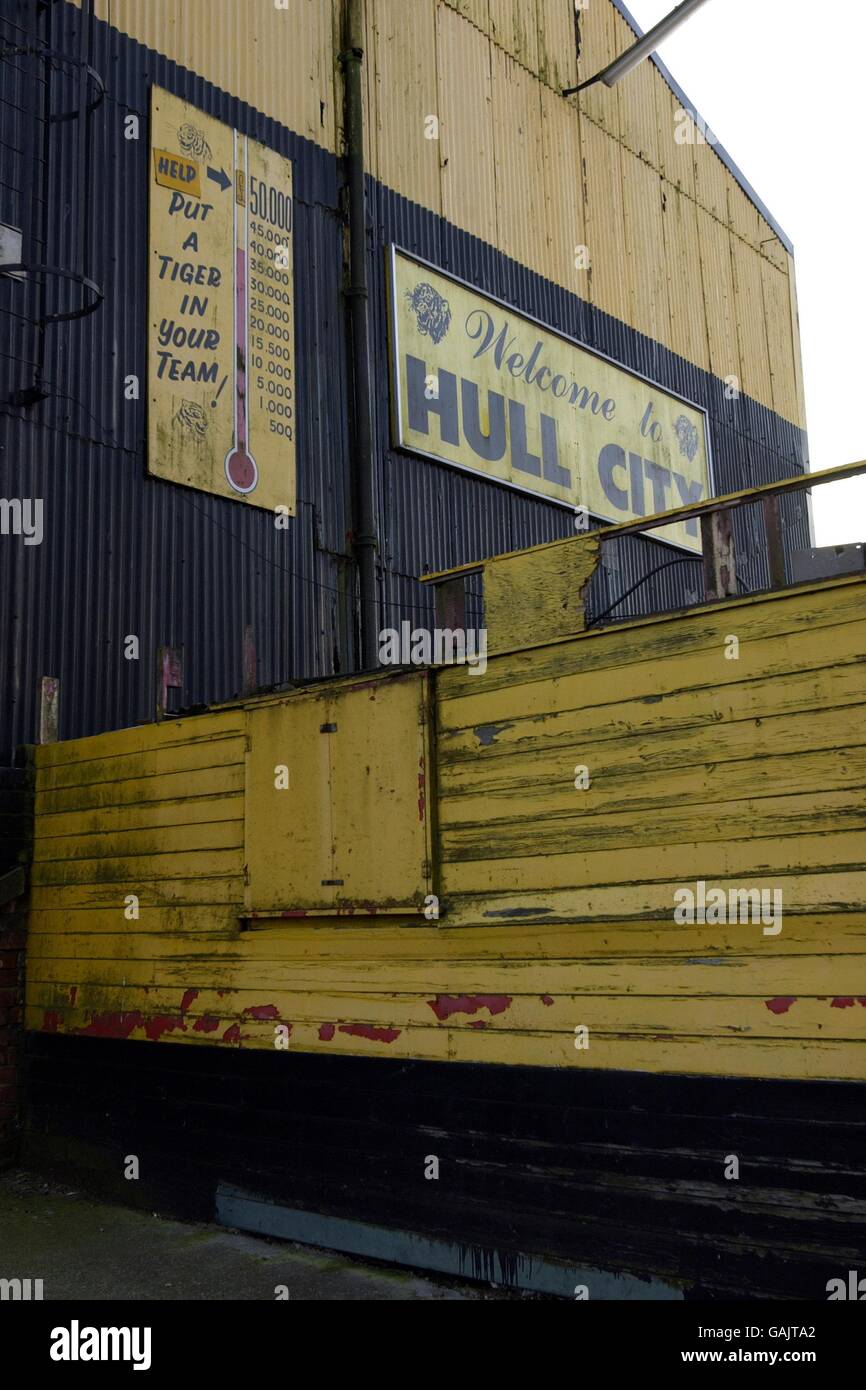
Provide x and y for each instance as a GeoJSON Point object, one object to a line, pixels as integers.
{"type": "Point", "coordinates": [641, 49]}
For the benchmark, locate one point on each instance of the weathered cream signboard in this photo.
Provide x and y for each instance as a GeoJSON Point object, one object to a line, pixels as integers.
{"type": "Point", "coordinates": [221, 343]}
{"type": "Point", "coordinates": [477, 385]}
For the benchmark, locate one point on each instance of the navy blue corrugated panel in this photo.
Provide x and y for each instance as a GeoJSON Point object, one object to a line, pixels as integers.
{"type": "Point", "coordinates": [437, 517]}
{"type": "Point", "coordinates": [22, 86]}
{"type": "Point", "coordinates": [639, 576]}
{"type": "Point", "coordinates": [405, 600]}
{"type": "Point", "coordinates": [128, 554]}
{"type": "Point", "coordinates": [534, 521]}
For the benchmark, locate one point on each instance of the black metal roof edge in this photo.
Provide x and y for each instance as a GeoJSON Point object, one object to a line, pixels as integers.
{"type": "Point", "coordinates": [718, 147]}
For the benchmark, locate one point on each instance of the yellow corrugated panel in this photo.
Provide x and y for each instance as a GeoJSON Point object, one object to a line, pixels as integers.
{"type": "Point", "coordinates": [638, 118]}
{"type": "Point", "coordinates": [514, 28]}
{"type": "Point", "coordinates": [597, 49]}
{"type": "Point", "coordinates": [800, 416]}
{"type": "Point", "coordinates": [476, 11]}
{"type": "Point", "coordinates": [605, 221]}
{"type": "Point", "coordinates": [645, 239]}
{"type": "Point", "coordinates": [519, 166]}
{"type": "Point", "coordinates": [711, 180]}
{"type": "Point", "coordinates": [772, 247]}
{"type": "Point", "coordinates": [683, 271]}
{"type": "Point", "coordinates": [718, 286]}
{"type": "Point", "coordinates": [676, 160]}
{"type": "Point", "coordinates": [402, 82]}
{"type": "Point", "coordinates": [557, 48]}
{"type": "Point", "coordinates": [751, 319]}
{"type": "Point", "coordinates": [563, 192]}
{"type": "Point", "coordinates": [744, 218]}
{"type": "Point", "coordinates": [469, 194]}
{"type": "Point", "coordinates": [783, 344]}
{"type": "Point", "coordinates": [281, 61]}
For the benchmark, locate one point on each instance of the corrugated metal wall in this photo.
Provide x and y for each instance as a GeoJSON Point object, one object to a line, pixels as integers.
{"type": "Point", "coordinates": [123, 553]}
{"type": "Point", "coordinates": [127, 554]}
{"type": "Point", "coordinates": [606, 166]}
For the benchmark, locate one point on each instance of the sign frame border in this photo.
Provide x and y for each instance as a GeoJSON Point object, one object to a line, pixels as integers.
{"type": "Point", "coordinates": [391, 253]}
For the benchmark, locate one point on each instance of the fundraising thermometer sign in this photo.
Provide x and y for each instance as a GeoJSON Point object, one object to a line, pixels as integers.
{"type": "Point", "coordinates": [221, 345]}
{"type": "Point", "coordinates": [479, 386]}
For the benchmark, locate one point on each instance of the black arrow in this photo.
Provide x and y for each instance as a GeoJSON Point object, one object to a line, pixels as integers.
{"type": "Point", "coordinates": [219, 176]}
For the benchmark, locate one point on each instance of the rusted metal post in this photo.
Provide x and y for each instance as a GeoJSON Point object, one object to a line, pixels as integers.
{"type": "Point", "coordinates": [249, 678]}
{"type": "Point", "coordinates": [775, 544]}
{"type": "Point", "coordinates": [450, 604]}
{"type": "Point", "coordinates": [720, 567]}
{"type": "Point", "coordinates": [169, 676]}
{"type": "Point", "coordinates": [49, 709]}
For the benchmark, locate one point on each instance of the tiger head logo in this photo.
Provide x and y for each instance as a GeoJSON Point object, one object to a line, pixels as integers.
{"type": "Point", "coordinates": [193, 142]}
{"type": "Point", "coordinates": [192, 418]}
{"type": "Point", "coordinates": [687, 436]}
{"type": "Point", "coordinates": [432, 312]}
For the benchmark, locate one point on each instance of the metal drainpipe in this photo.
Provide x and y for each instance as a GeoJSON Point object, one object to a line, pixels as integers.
{"type": "Point", "coordinates": [366, 540]}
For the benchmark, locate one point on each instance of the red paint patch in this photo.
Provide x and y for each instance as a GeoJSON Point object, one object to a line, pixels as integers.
{"type": "Point", "coordinates": [780, 1005]}
{"type": "Point", "coordinates": [367, 1030]}
{"type": "Point", "coordinates": [327, 1031]}
{"type": "Point", "coordinates": [222, 992]}
{"type": "Point", "coordinates": [51, 1021]}
{"type": "Point", "coordinates": [422, 790]}
{"type": "Point", "coordinates": [187, 999]}
{"type": "Point", "coordinates": [232, 1034]}
{"type": "Point", "coordinates": [262, 1011]}
{"type": "Point", "coordinates": [840, 1002]}
{"type": "Point", "coordinates": [479, 1023]}
{"type": "Point", "coordinates": [206, 1024]}
{"type": "Point", "coordinates": [546, 999]}
{"type": "Point", "coordinates": [294, 912]}
{"type": "Point", "coordinates": [112, 1025]}
{"type": "Point", "coordinates": [162, 1023]}
{"type": "Point", "coordinates": [444, 1005]}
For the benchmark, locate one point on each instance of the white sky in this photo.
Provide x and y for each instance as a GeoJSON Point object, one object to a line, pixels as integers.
{"type": "Point", "coordinates": [781, 84]}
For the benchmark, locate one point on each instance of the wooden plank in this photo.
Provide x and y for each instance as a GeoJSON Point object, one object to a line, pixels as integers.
{"type": "Point", "coordinates": [183, 810]}
{"type": "Point", "coordinates": [775, 542]}
{"type": "Point", "coordinates": [767, 818]}
{"type": "Point", "coordinates": [778, 1058]}
{"type": "Point", "coordinates": [768, 998]}
{"type": "Point", "coordinates": [720, 558]}
{"type": "Point", "coordinates": [833, 1016]}
{"type": "Point", "coordinates": [533, 944]}
{"type": "Point", "coordinates": [154, 791]}
{"type": "Point", "coordinates": [496, 905]}
{"type": "Point", "coordinates": [122, 767]}
{"type": "Point", "coordinates": [562, 679]}
{"type": "Point", "coordinates": [827, 688]}
{"type": "Point", "coordinates": [103, 847]}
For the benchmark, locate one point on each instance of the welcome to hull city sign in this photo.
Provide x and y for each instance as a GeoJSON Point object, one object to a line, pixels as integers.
{"type": "Point", "coordinates": [481, 387]}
